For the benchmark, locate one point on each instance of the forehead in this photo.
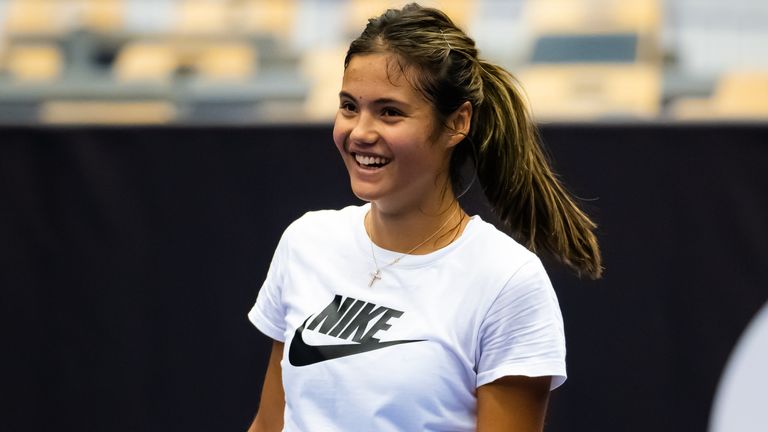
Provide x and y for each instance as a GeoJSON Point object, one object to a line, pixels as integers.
{"type": "Point", "coordinates": [378, 75]}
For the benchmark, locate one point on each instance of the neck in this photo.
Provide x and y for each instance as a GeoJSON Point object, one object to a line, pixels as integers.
{"type": "Point", "coordinates": [439, 225]}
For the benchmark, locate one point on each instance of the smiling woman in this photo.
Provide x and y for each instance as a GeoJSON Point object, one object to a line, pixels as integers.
{"type": "Point", "coordinates": [391, 143]}
{"type": "Point", "coordinates": [406, 313]}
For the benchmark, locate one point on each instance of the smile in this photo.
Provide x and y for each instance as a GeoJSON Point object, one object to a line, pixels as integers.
{"type": "Point", "coordinates": [371, 161]}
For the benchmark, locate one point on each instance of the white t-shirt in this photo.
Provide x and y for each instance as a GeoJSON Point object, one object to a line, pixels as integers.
{"type": "Point", "coordinates": [408, 352]}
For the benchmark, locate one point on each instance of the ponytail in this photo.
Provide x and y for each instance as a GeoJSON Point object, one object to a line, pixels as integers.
{"type": "Point", "coordinates": [516, 178]}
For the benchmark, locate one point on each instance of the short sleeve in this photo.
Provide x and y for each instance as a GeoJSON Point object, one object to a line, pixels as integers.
{"type": "Point", "coordinates": [522, 333]}
{"type": "Point", "coordinates": [268, 313]}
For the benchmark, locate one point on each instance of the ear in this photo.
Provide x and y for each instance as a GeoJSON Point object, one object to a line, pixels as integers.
{"type": "Point", "coordinates": [459, 123]}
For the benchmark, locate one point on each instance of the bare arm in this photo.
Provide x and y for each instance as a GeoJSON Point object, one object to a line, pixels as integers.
{"type": "Point", "coordinates": [270, 414]}
{"type": "Point", "coordinates": [513, 403]}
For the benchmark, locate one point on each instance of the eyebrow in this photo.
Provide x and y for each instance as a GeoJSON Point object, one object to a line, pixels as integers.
{"type": "Point", "coordinates": [380, 101]}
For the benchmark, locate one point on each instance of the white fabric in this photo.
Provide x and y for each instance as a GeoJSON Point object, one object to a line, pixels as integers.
{"type": "Point", "coordinates": [477, 310]}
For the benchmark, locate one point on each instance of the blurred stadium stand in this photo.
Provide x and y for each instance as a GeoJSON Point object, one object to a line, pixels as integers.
{"type": "Point", "coordinates": [252, 61]}
{"type": "Point", "coordinates": [593, 60]}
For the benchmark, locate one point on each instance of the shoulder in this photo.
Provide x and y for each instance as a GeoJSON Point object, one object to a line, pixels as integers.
{"type": "Point", "coordinates": [496, 252]}
{"type": "Point", "coordinates": [507, 270]}
{"type": "Point", "coordinates": [317, 224]}
{"type": "Point", "coordinates": [330, 217]}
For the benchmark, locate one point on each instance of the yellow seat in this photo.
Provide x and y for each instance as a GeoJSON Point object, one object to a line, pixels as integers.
{"type": "Point", "coordinates": [34, 63]}
{"type": "Point", "coordinates": [545, 16]}
{"type": "Point", "coordinates": [202, 17]}
{"type": "Point", "coordinates": [226, 61]}
{"type": "Point", "coordinates": [737, 95]}
{"type": "Point", "coordinates": [743, 94]}
{"type": "Point", "coordinates": [43, 17]}
{"type": "Point", "coordinates": [267, 17]}
{"type": "Point", "coordinates": [359, 11]}
{"type": "Point", "coordinates": [160, 60]}
{"type": "Point", "coordinates": [145, 61]}
{"type": "Point", "coordinates": [592, 91]}
{"type": "Point", "coordinates": [624, 81]}
{"type": "Point", "coordinates": [107, 112]}
{"type": "Point", "coordinates": [102, 15]}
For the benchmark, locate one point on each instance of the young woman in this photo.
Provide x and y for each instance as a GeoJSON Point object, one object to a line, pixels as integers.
{"type": "Point", "coordinates": [406, 314]}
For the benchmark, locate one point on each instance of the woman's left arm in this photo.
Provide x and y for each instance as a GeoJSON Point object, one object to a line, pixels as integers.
{"type": "Point", "coordinates": [513, 404]}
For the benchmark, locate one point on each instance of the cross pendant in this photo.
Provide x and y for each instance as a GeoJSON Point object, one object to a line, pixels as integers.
{"type": "Point", "coordinates": [374, 277]}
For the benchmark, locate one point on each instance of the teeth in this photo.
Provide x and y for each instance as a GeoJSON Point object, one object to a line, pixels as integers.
{"type": "Point", "coordinates": [371, 160]}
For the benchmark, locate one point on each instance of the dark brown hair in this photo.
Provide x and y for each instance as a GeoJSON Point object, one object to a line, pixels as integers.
{"type": "Point", "coordinates": [443, 64]}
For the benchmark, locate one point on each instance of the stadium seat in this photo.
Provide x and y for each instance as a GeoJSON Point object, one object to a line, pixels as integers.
{"type": "Point", "coordinates": [579, 15]}
{"type": "Point", "coordinates": [737, 95]}
{"type": "Point", "coordinates": [226, 61]}
{"type": "Point", "coordinates": [202, 17]}
{"type": "Point", "coordinates": [37, 17]}
{"type": "Point", "coordinates": [359, 11]}
{"type": "Point", "coordinates": [274, 18]}
{"type": "Point", "coordinates": [34, 62]}
{"type": "Point", "coordinates": [107, 112]}
{"type": "Point", "coordinates": [588, 92]}
{"type": "Point", "coordinates": [590, 62]}
{"type": "Point", "coordinates": [102, 15]}
{"type": "Point", "coordinates": [145, 61]}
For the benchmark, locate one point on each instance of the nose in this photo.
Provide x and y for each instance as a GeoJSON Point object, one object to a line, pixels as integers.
{"type": "Point", "coordinates": [364, 130]}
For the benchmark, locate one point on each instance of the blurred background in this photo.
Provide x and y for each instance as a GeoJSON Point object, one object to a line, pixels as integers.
{"type": "Point", "coordinates": [153, 151]}
{"type": "Point", "coordinates": [256, 61]}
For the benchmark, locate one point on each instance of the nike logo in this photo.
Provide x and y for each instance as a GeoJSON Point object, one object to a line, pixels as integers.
{"type": "Point", "coordinates": [303, 354]}
{"type": "Point", "coordinates": [343, 319]}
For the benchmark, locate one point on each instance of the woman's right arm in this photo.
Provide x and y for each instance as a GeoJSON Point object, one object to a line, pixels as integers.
{"type": "Point", "coordinates": [269, 417]}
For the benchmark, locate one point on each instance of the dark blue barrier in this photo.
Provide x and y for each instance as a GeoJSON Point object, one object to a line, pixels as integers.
{"type": "Point", "coordinates": [129, 258]}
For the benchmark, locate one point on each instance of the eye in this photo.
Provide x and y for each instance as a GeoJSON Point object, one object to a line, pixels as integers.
{"type": "Point", "coordinates": [391, 112]}
{"type": "Point", "coordinates": [347, 106]}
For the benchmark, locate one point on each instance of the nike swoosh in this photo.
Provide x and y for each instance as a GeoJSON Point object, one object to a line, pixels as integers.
{"type": "Point", "coordinates": [302, 354]}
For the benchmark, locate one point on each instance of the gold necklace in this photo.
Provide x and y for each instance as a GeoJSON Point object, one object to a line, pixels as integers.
{"type": "Point", "coordinates": [375, 276]}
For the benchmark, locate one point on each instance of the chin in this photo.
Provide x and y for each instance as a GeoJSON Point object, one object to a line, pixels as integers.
{"type": "Point", "coordinates": [365, 193]}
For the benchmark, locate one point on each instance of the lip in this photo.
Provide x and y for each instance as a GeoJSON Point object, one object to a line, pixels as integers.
{"type": "Point", "coordinates": [366, 171]}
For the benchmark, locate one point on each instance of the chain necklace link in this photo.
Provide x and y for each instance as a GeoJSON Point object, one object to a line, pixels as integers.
{"type": "Point", "coordinates": [375, 276]}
